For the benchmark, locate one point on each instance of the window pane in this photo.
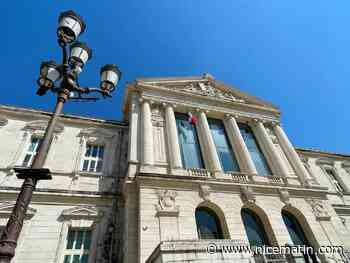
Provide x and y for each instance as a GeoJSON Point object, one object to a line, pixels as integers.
{"type": "Point", "coordinates": [84, 258]}
{"type": "Point", "coordinates": [101, 151]}
{"type": "Point", "coordinates": [70, 239]}
{"type": "Point", "coordinates": [189, 145]}
{"type": "Point", "coordinates": [85, 165]}
{"type": "Point", "coordinates": [208, 224]}
{"type": "Point", "coordinates": [26, 160]}
{"type": "Point", "coordinates": [87, 240]}
{"type": "Point", "coordinates": [88, 151]}
{"type": "Point", "coordinates": [254, 228]}
{"type": "Point", "coordinates": [227, 159]}
{"type": "Point", "coordinates": [33, 144]}
{"type": "Point", "coordinates": [92, 166]}
{"type": "Point", "coordinates": [79, 240]}
{"type": "Point", "coordinates": [254, 150]}
{"type": "Point", "coordinates": [99, 166]}
{"type": "Point", "coordinates": [66, 259]}
{"type": "Point", "coordinates": [94, 151]}
{"type": "Point", "coordinates": [39, 141]}
{"type": "Point", "coordinates": [76, 259]}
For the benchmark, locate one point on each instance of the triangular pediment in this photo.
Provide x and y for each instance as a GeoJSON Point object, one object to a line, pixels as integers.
{"type": "Point", "coordinates": [41, 125]}
{"type": "Point", "coordinates": [6, 208]}
{"type": "Point", "coordinates": [205, 87]}
{"type": "Point", "coordinates": [82, 212]}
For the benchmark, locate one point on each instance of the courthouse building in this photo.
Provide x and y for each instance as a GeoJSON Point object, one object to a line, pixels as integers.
{"type": "Point", "coordinates": [194, 166]}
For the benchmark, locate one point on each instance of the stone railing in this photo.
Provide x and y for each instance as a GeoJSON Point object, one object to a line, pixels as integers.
{"type": "Point", "coordinates": [198, 251]}
{"type": "Point", "coordinates": [239, 177]}
{"type": "Point", "coordinates": [270, 258]}
{"type": "Point", "coordinates": [198, 172]}
{"type": "Point", "coordinates": [276, 179]}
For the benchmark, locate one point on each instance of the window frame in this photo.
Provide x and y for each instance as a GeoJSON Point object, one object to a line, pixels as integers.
{"type": "Point", "coordinates": [234, 160]}
{"type": "Point", "coordinates": [182, 116]}
{"type": "Point", "coordinates": [260, 149]}
{"type": "Point", "coordinates": [258, 221]}
{"type": "Point", "coordinates": [90, 159]}
{"type": "Point", "coordinates": [78, 217]}
{"type": "Point", "coordinates": [80, 252]}
{"type": "Point", "coordinates": [336, 182]}
{"type": "Point", "coordinates": [216, 218]}
{"type": "Point", "coordinates": [31, 153]}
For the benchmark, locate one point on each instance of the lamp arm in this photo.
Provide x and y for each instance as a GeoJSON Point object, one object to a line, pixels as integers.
{"type": "Point", "coordinates": [103, 93]}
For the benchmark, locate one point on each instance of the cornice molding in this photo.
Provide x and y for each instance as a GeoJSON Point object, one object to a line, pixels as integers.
{"type": "Point", "coordinates": [7, 207]}
{"type": "Point", "coordinates": [95, 134]}
{"type": "Point", "coordinates": [82, 212]}
{"type": "Point", "coordinates": [325, 161]}
{"type": "Point", "coordinates": [40, 125]}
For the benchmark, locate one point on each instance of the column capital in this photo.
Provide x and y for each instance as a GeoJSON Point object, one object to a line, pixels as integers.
{"type": "Point", "coordinates": [168, 104]}
{"type": "Point", "coordinates": [143, 100]}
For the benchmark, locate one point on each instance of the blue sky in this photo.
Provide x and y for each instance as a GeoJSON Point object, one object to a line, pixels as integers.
{"type": "Point", "coordinates": [294, 54]}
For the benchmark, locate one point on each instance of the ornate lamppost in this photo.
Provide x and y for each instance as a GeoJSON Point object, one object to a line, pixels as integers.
{"type": "Point", "coordinates": [70, 27]}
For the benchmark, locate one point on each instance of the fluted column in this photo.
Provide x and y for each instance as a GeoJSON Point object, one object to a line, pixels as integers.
{"type": "Point", "coordinates": [290, 152]}
{"type": "Point", "coordinates": [242, 154]}
{"type": "Point", "coordinates": [172, 136]}
{"type": "Point", "coordinates": [275, 157]}
{"type": "Point", "coordinates": [211, 153]}
{"type": "Point", "coordinates": [133, 130]}
{"type": "Point", "coordinates": [147, 134]}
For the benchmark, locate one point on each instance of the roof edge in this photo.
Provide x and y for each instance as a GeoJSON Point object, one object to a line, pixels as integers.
{"type": "Point", "coordinates": [317, 151]}
{"type": "Point", "coordinates": [65, 116]}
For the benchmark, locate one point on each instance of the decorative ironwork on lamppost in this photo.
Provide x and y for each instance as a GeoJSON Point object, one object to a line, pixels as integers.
{"type": "Point", "coordinates": [70, 27]}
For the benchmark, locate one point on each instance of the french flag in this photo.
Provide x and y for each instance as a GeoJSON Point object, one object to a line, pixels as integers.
{"type": "Point", "coordinates": [192, 119]}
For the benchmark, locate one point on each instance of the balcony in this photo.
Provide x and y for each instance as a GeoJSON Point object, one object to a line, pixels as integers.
{"type": "Point", "coordinates": [198, 251]}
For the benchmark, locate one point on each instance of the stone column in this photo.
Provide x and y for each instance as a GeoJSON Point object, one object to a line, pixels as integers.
{"type": "Point", "coordinates": [147, 134]}
{"type": "Point", "coordinates": [242, 154]}
{"type": "Point", "coordinates": [275, 158]}
{"type": "Point", "coordinates": [133, 129]}
{"type": "Point", "coordinates": [211, 153]}
{"type": "Point", "coordinates": [290, 153]}
{"type": "Point", "coordinates": [172, 136]}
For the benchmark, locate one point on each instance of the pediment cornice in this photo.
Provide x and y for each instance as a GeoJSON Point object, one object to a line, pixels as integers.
{"type": "Point", "coordinates": [85, 212]}
{"type": "Point", "coordinates": [6, 208]}
{"type": "Point", "coordinates": [41, 125]}
{"type": "Point", "coordinates": [205, 88]}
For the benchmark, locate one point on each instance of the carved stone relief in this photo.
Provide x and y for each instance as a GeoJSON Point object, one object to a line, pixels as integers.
{"type": "Point", "coordinates": [166, 202]}
{"type": "Point", "coordinates": [247, 194]}
{"type": "Point", "coordinates": [319, 209]}
{"type": "Point", "coordinates": [204, 192]}
{"type": "Point", "coordinates": [285, 197]}
{"type": "Point", "coordinates": [158, 116]}
{"type": "Point", "coordinates": [205, 89]}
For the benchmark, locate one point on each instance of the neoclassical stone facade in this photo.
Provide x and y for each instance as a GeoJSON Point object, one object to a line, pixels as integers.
{"type": "Point", "coordinates": [188, 151]}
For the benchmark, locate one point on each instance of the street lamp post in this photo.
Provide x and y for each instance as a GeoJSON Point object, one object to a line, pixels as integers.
{"type": "Point", "coordinates": [69, 28]}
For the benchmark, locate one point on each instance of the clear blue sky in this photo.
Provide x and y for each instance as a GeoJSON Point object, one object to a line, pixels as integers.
{"type": "Point", "coordinates": [294, 54]}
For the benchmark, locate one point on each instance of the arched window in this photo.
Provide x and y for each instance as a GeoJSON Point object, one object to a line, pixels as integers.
{"type": "Point", "coordinates": [254, 228]}
{"type": "Point", "coordinates": [208, 224]}
{"type": "Point", "coordinates": [297, 234]}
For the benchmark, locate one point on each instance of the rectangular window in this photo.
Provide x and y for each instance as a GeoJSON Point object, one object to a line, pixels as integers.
{"type": "Point", "coordinates": [77, 246]}
{"type": "Point", "coordinates": [334, 180]}
{"type": "Point", "coordinates": [32, 151]}
{"type": "Point", "coordinates": [255, 152]}
{"type": "Point", "coordinates": [223, 147]}
{"type": "Point", "coordinates": [189, 145]}
{"type": "Point", "coordinates": [93, 159]}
